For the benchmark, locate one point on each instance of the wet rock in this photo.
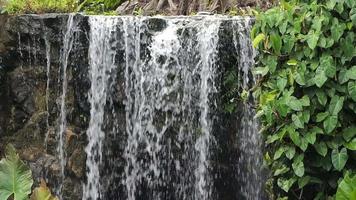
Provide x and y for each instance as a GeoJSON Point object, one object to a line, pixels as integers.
{"type": "Point", "coordinates": [76, 163]}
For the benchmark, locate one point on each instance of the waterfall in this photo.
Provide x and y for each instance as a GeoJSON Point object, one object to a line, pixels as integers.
{"type": "Point", "coordinates": [102, 52]}
{"type": "Point", "coordinates": [170, 71]}
{"type": "Point", "coordinates": [249, 167]}
{"type": "Point", "coordinates": [64, 59]}
{"type": "Point", "coordinates": [48, 73]}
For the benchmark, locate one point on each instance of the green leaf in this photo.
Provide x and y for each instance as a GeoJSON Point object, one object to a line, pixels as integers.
{"type": "Point", "coordinates": [320, 78]}
{"type": "Point", "coordinates": [351, 145]}
{"type": "Point", "coordinates": [294, 136]}
{"type": "Point", "coordinates": [336, 105]}
{"type": "Point", "coordinates": [286, 184]}
{"type": "Point", "coordinates": [15, 176]}
{"type": "Point", "coordinates": [295, 104]}
{"type": "Point", "coordinates": [281, 170]}
{"type": "Point", "coordinates": [297, 121]}
{"type": "Point", "coordinates": [349, 133]}
{"type": "Point", "coordinates": [281, 83]}
{"type": "Point", "coordinates": [290, 152]}
{"type": "Point", "coordinates": [330, 123]}
{"type": "Point", "coordinates": [292, 62]}
{"type": "Point", "coordinates": [328, 65]}
{"type": "Point", "coordinates": [337, 29]}
{"type": "Point", "coordinates": [321, 116]}
{"type": "Point", "coordinates": [259, 38]}
{"type": "Point", "coordinates": [278, 153]}
{"type": "Point", "coordinates": [303, 181]}
{"type": "Point", "coordinates": [260, 71]}
{"type": "Point", "coordinates": [311, 137]}
{"type": "Point", "coordinates": [321, 148]}
{"type": "Point", "coordinates": [343, 76]}
{"type": "Point", "coordinates": [351, 87]}
{"type": "Point", "coordinates": [276, 43]}
{"type": "Point", "coordinates": [312, 39]}
{"type": "Point", "coordinates": [298, 165]}
{"type": "Point", "coordinates": [305, 100]}
{"type": "Point", "coordinates": [322, 97]}
{"type": "Point", "coordinates": [347, 188]}
{"type": "Point", "coordinates": [339, 158]}
{"type": "Point", "coordinates": [351, 73]}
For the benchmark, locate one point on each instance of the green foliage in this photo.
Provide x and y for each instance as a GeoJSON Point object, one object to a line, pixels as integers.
{"type": "Point", "coordinates": [307, 94]}
{"type": "Point", "coordinates": [15, 176]}
{"type": "Point", "coordinates": [347, 188]}
{"type": "Point", "coordinates": [99, 6]}
{"type": "Point", "coordinates": [39, 6]}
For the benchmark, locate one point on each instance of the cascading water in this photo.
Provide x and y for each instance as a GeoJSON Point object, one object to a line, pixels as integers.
{"type": "Point", "coordinates": [48, 71]}
{"type": "Point", "coordinates": [154, 87]}
{"type": "Point", "coordinates": [64, 58]}
{"type": "Point", "coordinates": [249, 166]}
{"type": "Point", "coordinates": [102, 52]}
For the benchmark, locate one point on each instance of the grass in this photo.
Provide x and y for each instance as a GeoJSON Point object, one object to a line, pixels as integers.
{"type": "Point", "coordinates": [39, 6]}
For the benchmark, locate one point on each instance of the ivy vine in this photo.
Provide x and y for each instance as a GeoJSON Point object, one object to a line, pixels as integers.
{"type": "Point", "coordinates": [306, 73]}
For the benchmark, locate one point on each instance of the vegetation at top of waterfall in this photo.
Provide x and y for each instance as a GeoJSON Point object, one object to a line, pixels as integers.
{"type": "Point", "coordinates": [307, 97]}
{"type": "Point", "coordinates": [38, 6]}
{"type": "Point", "coordinates": [139, 7]}
{"type": "Point", "coordinates": [16, 179]}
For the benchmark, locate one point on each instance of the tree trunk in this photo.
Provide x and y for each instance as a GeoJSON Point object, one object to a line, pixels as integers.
{"type": "Point", "coordinates": [183, 7]}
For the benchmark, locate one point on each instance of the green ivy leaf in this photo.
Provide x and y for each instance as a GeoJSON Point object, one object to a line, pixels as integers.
{"type": "Point", "coordinates": [290, 152]}
{"type": "Point", "coordinates": [312, 39]}
{"type": "Point", "coordinates": [327, 63]}
{"type": "Point", "coordinates": [343, 76]}
{"type": "Point", "coordinates": [321, 148]}
{"type": "Point", "coordinates": [294, 136]}
{"type": "Point", "coordinates": [351, 145]}
{"type": "Point", "coordinates": [286, 184]}
{"type": "Point", "coordinates": [281, 83]}
{"type": "Point", "coordinates": [297, 121]}
{"type": "Point", "coordinates": [349, 133]}
{"type": "Point", "coordinates": [311, 137]}
{"type": "Point", "coordinates": [320, 78]}
{"type": "Point", "coordinates": [303, 181]}
{"type": "Point", "coordinates": [339, 158]}
{"type": "Point", "coordinates": [351, 87]}
{"type": "Point", "coordinates": [322, 97]}
{"type": "Point", "coordinates": [281, 170]}
{"type": "Point", "coordinates": [337, 29]}
{"type": "Point", "coordinates": [336, 105]}
{"type": "Point", "coordinates": [298, 165]}
{"type": "Point", "coordinates": [278, 153]}
{"type": "Point", "coordinates": [295, 104]}
{"type": "Point", "coordinates": [321, 116]}
{"type": "Point", "coordinates": [330, 123]}
{"type": "Point", "coordinates": [258, 39]}
{"type": "Point", "coordinates": [276, 43]}
{"type": "Point", "coordinates": [351, 73]}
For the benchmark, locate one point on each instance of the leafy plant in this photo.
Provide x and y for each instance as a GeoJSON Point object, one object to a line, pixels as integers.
{"type": "Point", "coordinates": [99, 6]}
{"type": "Point", "coordinates": [42, 193]}
{"type": "Point", "coordinates": [307, 94]}
{"type": "Point", "coordinates": [347, 188]}
{"type": "Point", "coordinates": [15, 176]}
{"type": "Point", "coordinates": [39, 6]}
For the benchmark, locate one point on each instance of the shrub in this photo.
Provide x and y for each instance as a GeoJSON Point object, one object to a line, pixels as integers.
{"type": "Point", "coordinates": [40, 6]}
{"type": "Point", "coordinates": [307, 95]}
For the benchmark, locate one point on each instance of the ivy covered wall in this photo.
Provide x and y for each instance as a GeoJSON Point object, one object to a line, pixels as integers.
{"type": "Point", "coordinates": [306, 73]}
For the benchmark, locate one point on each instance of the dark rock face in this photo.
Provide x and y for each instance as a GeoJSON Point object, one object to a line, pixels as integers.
{"type": "Point", "coordinates": [30, 106]}
{"type": "Point", "coordinates": [25, 120]}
